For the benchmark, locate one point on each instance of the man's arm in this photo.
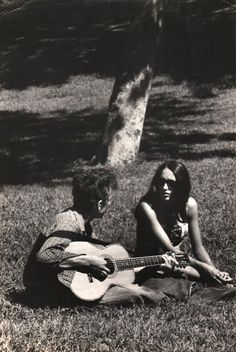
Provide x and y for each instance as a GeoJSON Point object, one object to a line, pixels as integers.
{"type": "Point", "coordinates": [53, 250]}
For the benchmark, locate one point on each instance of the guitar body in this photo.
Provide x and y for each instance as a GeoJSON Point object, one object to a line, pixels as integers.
{"type": "Point", "coordinates": [88, 288]}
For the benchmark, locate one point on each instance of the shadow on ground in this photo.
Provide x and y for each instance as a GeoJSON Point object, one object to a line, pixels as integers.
{"type": "Point", "coordinates": [182, 130]}
{"type": "Point", "coordinates": [47, 41]}
{"type": "Point", "coordinates": [59, 297]}
{"type": "Point", "coordinates": [38, 148]}
{"type": "Point", "coordinates": [43, 298]}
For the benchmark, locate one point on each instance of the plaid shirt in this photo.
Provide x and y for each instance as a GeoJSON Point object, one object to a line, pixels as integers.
{"type": "Point", "coordinates": [49, 250]}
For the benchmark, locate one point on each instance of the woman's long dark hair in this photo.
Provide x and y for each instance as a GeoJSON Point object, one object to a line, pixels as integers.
{"type": "Point", "coordinates": [183, 185]}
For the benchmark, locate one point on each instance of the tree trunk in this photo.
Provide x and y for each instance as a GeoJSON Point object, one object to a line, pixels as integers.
{"type": "Point", "coordinates": [130, 94]}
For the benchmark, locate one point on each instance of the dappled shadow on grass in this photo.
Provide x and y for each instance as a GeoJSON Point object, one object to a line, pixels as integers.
{"type": "Point", "coordinates": [50, 146]}
{"type": "Point", "coordinates": [179, 129]}
{"type": "Point", "coordinates": [35, 148]}
{"type": "Point", "coordinates": [30, 300]}
{"type": "Point", "coordinates": [48, 41]}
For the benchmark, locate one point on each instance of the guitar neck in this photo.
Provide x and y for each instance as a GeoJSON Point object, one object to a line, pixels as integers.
{"type": "Point", "coordinates": [137, 262]}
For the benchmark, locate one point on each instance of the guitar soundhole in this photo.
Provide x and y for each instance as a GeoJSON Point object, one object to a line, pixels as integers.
{"type": "Point", "coordinates": [110, 265]}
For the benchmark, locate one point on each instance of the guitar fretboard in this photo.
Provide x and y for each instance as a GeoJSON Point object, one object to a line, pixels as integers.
{"type": "Point", "coordinates": [131, 263]}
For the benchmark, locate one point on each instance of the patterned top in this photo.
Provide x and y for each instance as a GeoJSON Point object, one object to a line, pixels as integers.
{"type": "Point", "coordinates": [49, 249]}
{"type": "Point", "coordinates": [176, 231]}
{"type": "Point", "coordinates": [146, 244]}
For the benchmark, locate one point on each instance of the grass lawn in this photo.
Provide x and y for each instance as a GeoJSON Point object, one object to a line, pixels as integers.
{"type": "Point", "coordinates": [49, 131]}
{"type": "Point", "coordinates": [56, 62]}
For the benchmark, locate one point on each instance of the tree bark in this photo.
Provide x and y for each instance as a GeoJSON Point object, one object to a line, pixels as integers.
{"type": "Point", "coordinates": [130, 94]}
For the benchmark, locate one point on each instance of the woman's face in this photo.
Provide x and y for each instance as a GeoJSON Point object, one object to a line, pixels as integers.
{"type": "Point", "coordinates": [166, 185]}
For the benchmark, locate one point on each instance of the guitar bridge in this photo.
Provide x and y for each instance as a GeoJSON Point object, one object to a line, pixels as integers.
{"type": "Point", "coordinates": [90, 278]}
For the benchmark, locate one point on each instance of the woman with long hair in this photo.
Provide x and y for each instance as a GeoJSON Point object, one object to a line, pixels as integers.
{"type": "Point", "coordinates": [165, 215]}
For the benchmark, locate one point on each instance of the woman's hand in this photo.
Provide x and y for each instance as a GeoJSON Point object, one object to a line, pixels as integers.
{"type": "Point", "coordinates": [217, 275]}
{"type": "Point", "coordinates": [225, 277]}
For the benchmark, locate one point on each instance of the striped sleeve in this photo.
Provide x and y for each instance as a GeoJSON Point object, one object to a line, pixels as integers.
{"type": "Point", "coordinates": [66, 277]}
{"type": "Point", "coordinates": [66, 227]}
{"type": "Point", "coordinates": [67, 221]}
{"type": "Point", "coordinates": [53, 250]}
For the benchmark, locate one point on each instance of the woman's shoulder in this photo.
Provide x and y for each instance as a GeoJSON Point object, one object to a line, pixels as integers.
{"type": "Point", "coordinates": [144, 205]}
{"type": "Point", "coordinates": [144, 208]}
{"type": "Point", "coordinates": [191, 207]}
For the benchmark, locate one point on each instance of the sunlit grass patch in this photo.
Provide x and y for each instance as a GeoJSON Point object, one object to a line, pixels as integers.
{"type": "Point", "coordinates": [78, 94]}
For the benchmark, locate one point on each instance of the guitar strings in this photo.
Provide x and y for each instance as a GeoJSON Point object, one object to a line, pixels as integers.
{"type": "Point", "coordinates": [130, 263]}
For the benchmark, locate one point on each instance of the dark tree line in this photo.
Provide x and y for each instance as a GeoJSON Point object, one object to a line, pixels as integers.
{"type": "Point", "coordinates": [199, 39]}
{"type": "Point", "coordinates": [198, 36]}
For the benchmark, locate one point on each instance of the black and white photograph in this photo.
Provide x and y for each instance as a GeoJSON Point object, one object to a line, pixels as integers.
{"type": "Point", "coordinates": [118, 175]}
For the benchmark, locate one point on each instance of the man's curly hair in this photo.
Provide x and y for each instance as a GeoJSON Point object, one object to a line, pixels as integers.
{"type": "Point", "coordinates": [90, 186]}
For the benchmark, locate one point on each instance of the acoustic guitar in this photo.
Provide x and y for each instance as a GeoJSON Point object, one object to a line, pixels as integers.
{"type": "Point", "coordinates": [88, 288]}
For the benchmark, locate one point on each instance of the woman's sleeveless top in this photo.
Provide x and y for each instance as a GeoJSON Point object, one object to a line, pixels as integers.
{"type": "Point", "coordinates": [146, 243]}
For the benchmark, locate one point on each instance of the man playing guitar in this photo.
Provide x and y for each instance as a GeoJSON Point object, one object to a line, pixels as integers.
{"type": "Point", "coordinates": [71, 248]}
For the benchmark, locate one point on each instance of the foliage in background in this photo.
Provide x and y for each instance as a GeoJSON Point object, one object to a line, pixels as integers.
{"type": "Point", "coordinates": [45, 42]}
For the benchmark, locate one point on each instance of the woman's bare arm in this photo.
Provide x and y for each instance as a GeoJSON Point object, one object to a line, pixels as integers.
{"type": "Point", "coordinates": [194, 233]}
{"type": "Point", "coordinates": [160, 236]}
